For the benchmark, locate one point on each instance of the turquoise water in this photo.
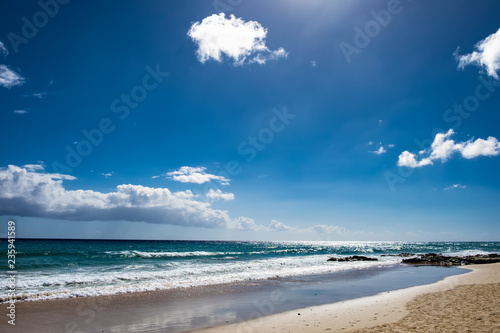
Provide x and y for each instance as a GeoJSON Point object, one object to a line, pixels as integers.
{"type": "Point", "coordinates": [70, 268]}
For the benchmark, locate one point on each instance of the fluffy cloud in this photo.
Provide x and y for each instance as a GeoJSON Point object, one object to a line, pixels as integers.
{"type": "Point", "coordinates": [279, 226]}
{"type": "Point", "coordinates": [29, 191]}
{"type": "Point", "coordinates": [219, 195]}
{"type": "Point", "coordinates": [20, 111]}
{"type": "Point", "coordinates": [408, 159]}
{"type": "Point", "coordinates": [443, 148]}
{"type": "Point", "coordinates": [487, 55]}
{"type": "Point", "coordinates": [246, 223]}
{"type": "Point", "coordinates": [238, 40]}
{"type": "Point", "coordinates": [195, 175]}
{"type": "Point", "coordinates": [9, 78]}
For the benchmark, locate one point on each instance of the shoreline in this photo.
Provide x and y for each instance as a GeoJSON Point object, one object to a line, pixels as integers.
{"type": "Point", "coordinates": [183, 310]}
{"type": "Point", "coordinates": [376, 312]}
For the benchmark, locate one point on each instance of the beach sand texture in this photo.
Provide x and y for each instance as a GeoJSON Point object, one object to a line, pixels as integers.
{"type": "Point", "coordinates": [462, 303]}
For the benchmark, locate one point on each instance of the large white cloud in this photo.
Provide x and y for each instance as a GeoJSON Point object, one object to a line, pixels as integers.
{"type": "Point", "coordinates": [443, 148]}
{"type": "Point", "coordinates": [487, 55]}
{"type": "Point", "coordinates": [242, 42]}
{"type": "Point", "coordinates": [9, 78]}
{"type": "Point", "coordinates": [29, 191]}
{"type": "Point", "coordinates": [196, 175]}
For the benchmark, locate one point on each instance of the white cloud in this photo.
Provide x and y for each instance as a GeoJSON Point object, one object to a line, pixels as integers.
{"type": "Point", "coordinates": [487, 55]}
{"type": "Point", "coordinates": [454, 187]}
{"type": "Point", "coordinates": [443, 148]}
{"type": "Point", "coordinates": [195, 175]}
{"type": "Point", "coordinates": [3, 49]}
{"type": "Point", "coordinates": [20, 111]}
{"type": "Point", "coordinates": [34, 167]}
{"type": "Point", "coordinates": [382, 149]}
{"type": "Point", "coordinates": [480, 147]}
{"type": "Point", "coordinates": [238, 40]}
{"type": "Point", "coordinates": [26, 192]}
{"type": "Point", "coordinates": [279, 226]}
{"type": "Point", "coordinates": [9, 78]}
{"type": "Point", "coordinates": [328, 229]}
{"type": "Point", "coordinates": [408, 159]}
{"type": "Point", "coordinates": [313, 63]}
{"type": "Point", "coordinates": [319, 228]}
{"type": "Point", "coordinates": [219, 195]}
{"type": "Point", "coordinates": [246, 224]}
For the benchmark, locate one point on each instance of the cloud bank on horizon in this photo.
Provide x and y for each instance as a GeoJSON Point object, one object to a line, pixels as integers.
{"type": "Point", "coordinates": [240, 41]}
{"type": "Point", "coordinates": [30, 191]}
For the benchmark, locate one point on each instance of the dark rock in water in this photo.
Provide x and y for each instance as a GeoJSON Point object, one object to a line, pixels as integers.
{"type": "Point", "coordinates": [353, 258]}
{"type": "Point", "coordinates": [441, 260]}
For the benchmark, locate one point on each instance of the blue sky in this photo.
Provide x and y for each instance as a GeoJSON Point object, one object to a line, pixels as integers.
{"type": "Point", "coordinates": [251, 120]}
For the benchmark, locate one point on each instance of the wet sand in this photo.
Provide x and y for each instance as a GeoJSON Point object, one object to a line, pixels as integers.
{"type": "Point", "coordinates": [461, 303]}
{"type": "Point", "coordinates": [188, 309]}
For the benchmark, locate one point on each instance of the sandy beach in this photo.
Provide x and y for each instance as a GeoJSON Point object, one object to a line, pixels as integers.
{"type": "Point", "coordinates": [462, 303]}
{"type": "Point", "coordinates": [454, 304]}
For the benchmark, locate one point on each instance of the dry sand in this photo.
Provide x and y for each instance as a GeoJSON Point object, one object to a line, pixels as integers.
{"type": "Point", "coordinates": [461, 303]}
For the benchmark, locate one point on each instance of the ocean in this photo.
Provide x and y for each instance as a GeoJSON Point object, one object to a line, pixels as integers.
{"type": "Point", "coordinates": [49, 269]}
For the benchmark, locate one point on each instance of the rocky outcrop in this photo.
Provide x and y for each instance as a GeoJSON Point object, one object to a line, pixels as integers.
{"type": "Point", "coordinates": [353, 258]}
{"type": "Point", "coordinates": [441, 260]}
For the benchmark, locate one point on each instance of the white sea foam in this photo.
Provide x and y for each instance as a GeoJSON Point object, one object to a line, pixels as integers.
{"type": "Point", "coordinates": [133, 278]}
{"type": "Point", "coordinates": [465, 253]}
{"type": "Point", "coordinates": [144, 254]}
